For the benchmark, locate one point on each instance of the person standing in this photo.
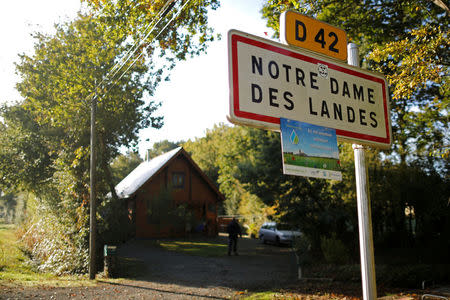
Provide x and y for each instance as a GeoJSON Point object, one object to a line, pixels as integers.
{"type": "Point", "coordinates": [233, 230]}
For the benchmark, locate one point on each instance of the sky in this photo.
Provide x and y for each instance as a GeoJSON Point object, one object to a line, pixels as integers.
{"type": "Point", "coordinates": [195, 98]}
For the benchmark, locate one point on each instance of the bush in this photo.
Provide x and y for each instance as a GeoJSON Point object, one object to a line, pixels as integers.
{"type": "Point", "coordinates": [302, 247]}
{"type": "Point", "coordinates": [411, 276]}
{"type": "Point", "coordinates": [334, 250]}
{"type": "Point", "coordinates": [252, 230]}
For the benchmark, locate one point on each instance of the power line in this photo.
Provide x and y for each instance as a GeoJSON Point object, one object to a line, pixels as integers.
{"type": "Point", "coordinates": [159, 33]}
{"type": "Point", "coordinates": [121, 63]}
{"type": "Point", "coordinates": [162, 13]}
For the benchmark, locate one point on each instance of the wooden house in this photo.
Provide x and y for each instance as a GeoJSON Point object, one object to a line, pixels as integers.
{"type": "Point", "coordinates": [170, 195]}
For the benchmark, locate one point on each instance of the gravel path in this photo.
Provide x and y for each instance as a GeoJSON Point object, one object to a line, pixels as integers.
{"type": "Point", "coordinates": [171, 275]}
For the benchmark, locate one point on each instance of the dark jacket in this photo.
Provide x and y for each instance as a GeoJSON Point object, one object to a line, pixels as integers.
{"type": "Point", "coordinates": [233, 229]}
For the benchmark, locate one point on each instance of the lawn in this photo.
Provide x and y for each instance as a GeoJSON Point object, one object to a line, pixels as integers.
{"type": "Point", "coordinates": [200, 248]}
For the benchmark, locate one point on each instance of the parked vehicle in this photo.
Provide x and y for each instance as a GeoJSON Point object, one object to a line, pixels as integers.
{"type": "Point", "coordinates": [277, 233]}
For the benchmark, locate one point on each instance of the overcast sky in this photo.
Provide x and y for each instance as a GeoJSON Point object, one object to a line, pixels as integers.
{"type": "Point", "coordinates": [194, 100]}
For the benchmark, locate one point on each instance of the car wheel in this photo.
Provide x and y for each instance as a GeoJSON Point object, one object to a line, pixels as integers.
{"type": "Point", "coordinates": [262, 239]}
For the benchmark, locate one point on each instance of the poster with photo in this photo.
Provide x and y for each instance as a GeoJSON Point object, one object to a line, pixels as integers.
{"type": "Point", "coordinates": [309, 150]}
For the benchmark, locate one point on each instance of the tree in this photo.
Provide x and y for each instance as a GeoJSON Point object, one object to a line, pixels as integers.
{"type": "Point", "coordinates": [8, 203]}
{"type": "Point", "coordinates": [161, 148]}
{"type": "Point", "coordinates": [173, 30]}
{"type": "Point", "coordinates": [218, 154]}
{"type": "Point", "coordinates": [123, 164]}
{"type": "Point", "coordinates": [48, 133]}
{"type": "Point", "coordinates": [407, 41]}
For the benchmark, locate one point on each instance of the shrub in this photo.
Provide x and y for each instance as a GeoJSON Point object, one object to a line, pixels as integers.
{"type": "Point", "coordinates": [302, 246]}
{"type": "Point", "coordinates": [334, 250]}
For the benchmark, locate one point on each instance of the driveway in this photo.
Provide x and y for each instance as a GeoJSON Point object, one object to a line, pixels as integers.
{"type": "Point", "coordinates": [257, 265]}
{"type": "Point", "coordinates": [176, 276]}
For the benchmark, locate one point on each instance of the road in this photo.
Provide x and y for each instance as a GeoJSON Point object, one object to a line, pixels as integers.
{"type": "Point", "coordinates": [172, 275]}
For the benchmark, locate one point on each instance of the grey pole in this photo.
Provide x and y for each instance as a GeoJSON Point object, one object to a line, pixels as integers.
{"type": "Point", "coordinates": [93, 204]}
{"type": "Point", "coordinates": [369, 287]}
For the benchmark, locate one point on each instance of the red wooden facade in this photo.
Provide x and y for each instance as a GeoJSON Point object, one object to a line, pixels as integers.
{"type": "Point", "coordinates": [178, 181]}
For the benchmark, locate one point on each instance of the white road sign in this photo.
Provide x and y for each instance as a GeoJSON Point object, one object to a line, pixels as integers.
{"type": "Point", "coordinates": [269, 80]}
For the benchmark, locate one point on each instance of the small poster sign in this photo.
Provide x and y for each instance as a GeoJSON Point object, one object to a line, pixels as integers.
{"type": "Point", "coordinates": [309, 150]}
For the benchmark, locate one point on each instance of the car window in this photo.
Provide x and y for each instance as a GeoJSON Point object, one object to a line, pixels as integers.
{"type": "Point", "coordinates": [284, 227]}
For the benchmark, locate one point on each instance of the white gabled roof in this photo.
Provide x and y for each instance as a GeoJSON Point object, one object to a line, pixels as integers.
{"type": "Point", "coordinates": [130, 184]}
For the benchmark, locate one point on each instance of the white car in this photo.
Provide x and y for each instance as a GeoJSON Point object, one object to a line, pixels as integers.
{"type": "Point", "coordinates": [277, 233]}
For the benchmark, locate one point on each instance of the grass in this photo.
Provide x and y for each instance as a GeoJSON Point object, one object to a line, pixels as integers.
{"type": "Point", "coordinates": [325, 163]}
{"type": "Point", "coordinates": [16, 269]}
{"type": "Point", "coordinates": [201, 248]}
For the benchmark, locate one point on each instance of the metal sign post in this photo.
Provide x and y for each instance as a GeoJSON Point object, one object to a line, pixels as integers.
{"type": "Point", "coordinates": [269, 81]}
{"type": "Point", "coordinates": [369, 287]}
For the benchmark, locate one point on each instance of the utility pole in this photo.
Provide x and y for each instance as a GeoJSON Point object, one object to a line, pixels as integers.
{"type": "Point", "coordinates": [369, 286]}
{"type": "Point", "coordinates": [93, 202]}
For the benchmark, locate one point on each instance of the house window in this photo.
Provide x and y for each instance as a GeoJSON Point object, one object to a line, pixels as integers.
{"type": "Point", "coordinates": [178, 180]}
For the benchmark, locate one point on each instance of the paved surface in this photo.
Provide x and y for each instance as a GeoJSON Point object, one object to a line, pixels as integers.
{"type": "Point", "coordinates": [171, 275]}
{"type": "Point", "coordinates": [257, 265]}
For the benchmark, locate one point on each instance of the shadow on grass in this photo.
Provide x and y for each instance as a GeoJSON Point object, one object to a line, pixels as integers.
{"type": "Point", "coordinates": [129, 268]}
{"type": "Point", "coordinates": [160, 290]}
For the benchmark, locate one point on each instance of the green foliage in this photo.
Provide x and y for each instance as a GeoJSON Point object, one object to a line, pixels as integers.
{"type": "Point", "coordinates": [247, 165]}
{"type": "Point", "coordinates": [45, 139]}
{"type": "Point", "coordinates": [219, 155]}
{"type": "Point", "coordinates": [48, 134]}
{"type": "Point", "coordinates": [408, 42]}
{"type": "Point", "coordinates": [161, 148]}
{"type": "Point", "coordinates": [187, 35]}
{"type": "Point", "coordinates": [8, 203]}
{"type": "Point", "coordinates": [56, 233]}
{"type": "Point", "coordinates": [114, 226]}
{"type": "Point", "coordinates": [16, 268]}
{"type": "Point", "coordinates": [412, 275]}
{"type": "Point", "coordinates": [334, 250]}
{"type": "Point", "coordinates": [122, 165]}
{"type": "Point", "coordinates": [302, 247]}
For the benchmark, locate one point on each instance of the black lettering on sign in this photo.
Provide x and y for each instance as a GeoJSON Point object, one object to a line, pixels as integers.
{"type": "Point", "coordinates": [337, 108]}
{"type": "Point", "coordinates": [370, 95]}
{"type": "Point", "coordinates": [324, 110]}
{"type": "Point", "coordinates": [358, 92]}
{"type": "Point", "coordinates": [300, 76]}
{"type": "Point", "coordinates": [311, 108]}
{"type": "Point", "coordinates": [334, 42]}
{"type": "Point", "coordinates": [272, 97]}
{"type": "Point", "coordinates": [362, 117]}
{"type": "Point", "coordinates": [257, 64]}
{"type": "Point", "coordinates": [288, 98]}
{"type": "Point", "coordinates": [334, 86]}
{"type": "Point", "coordinates": [299, 37]}
{"type": "Point", "coordinates": [313, 76]}
{"type": "Point", "coordinates": [374, 122]}
{"type": "Point", "coordinates": [320, 37]}
{"type": "Point", "coordinates": [287, 68]}
{"type": "Point", "coordinates": [350, 115]}
{"type": "Point", "coordinates": [345, 90]}
{"type": "Point", "coordinates": [256, 93]}
{"type": "Point", "coordinates": [274, 71]}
